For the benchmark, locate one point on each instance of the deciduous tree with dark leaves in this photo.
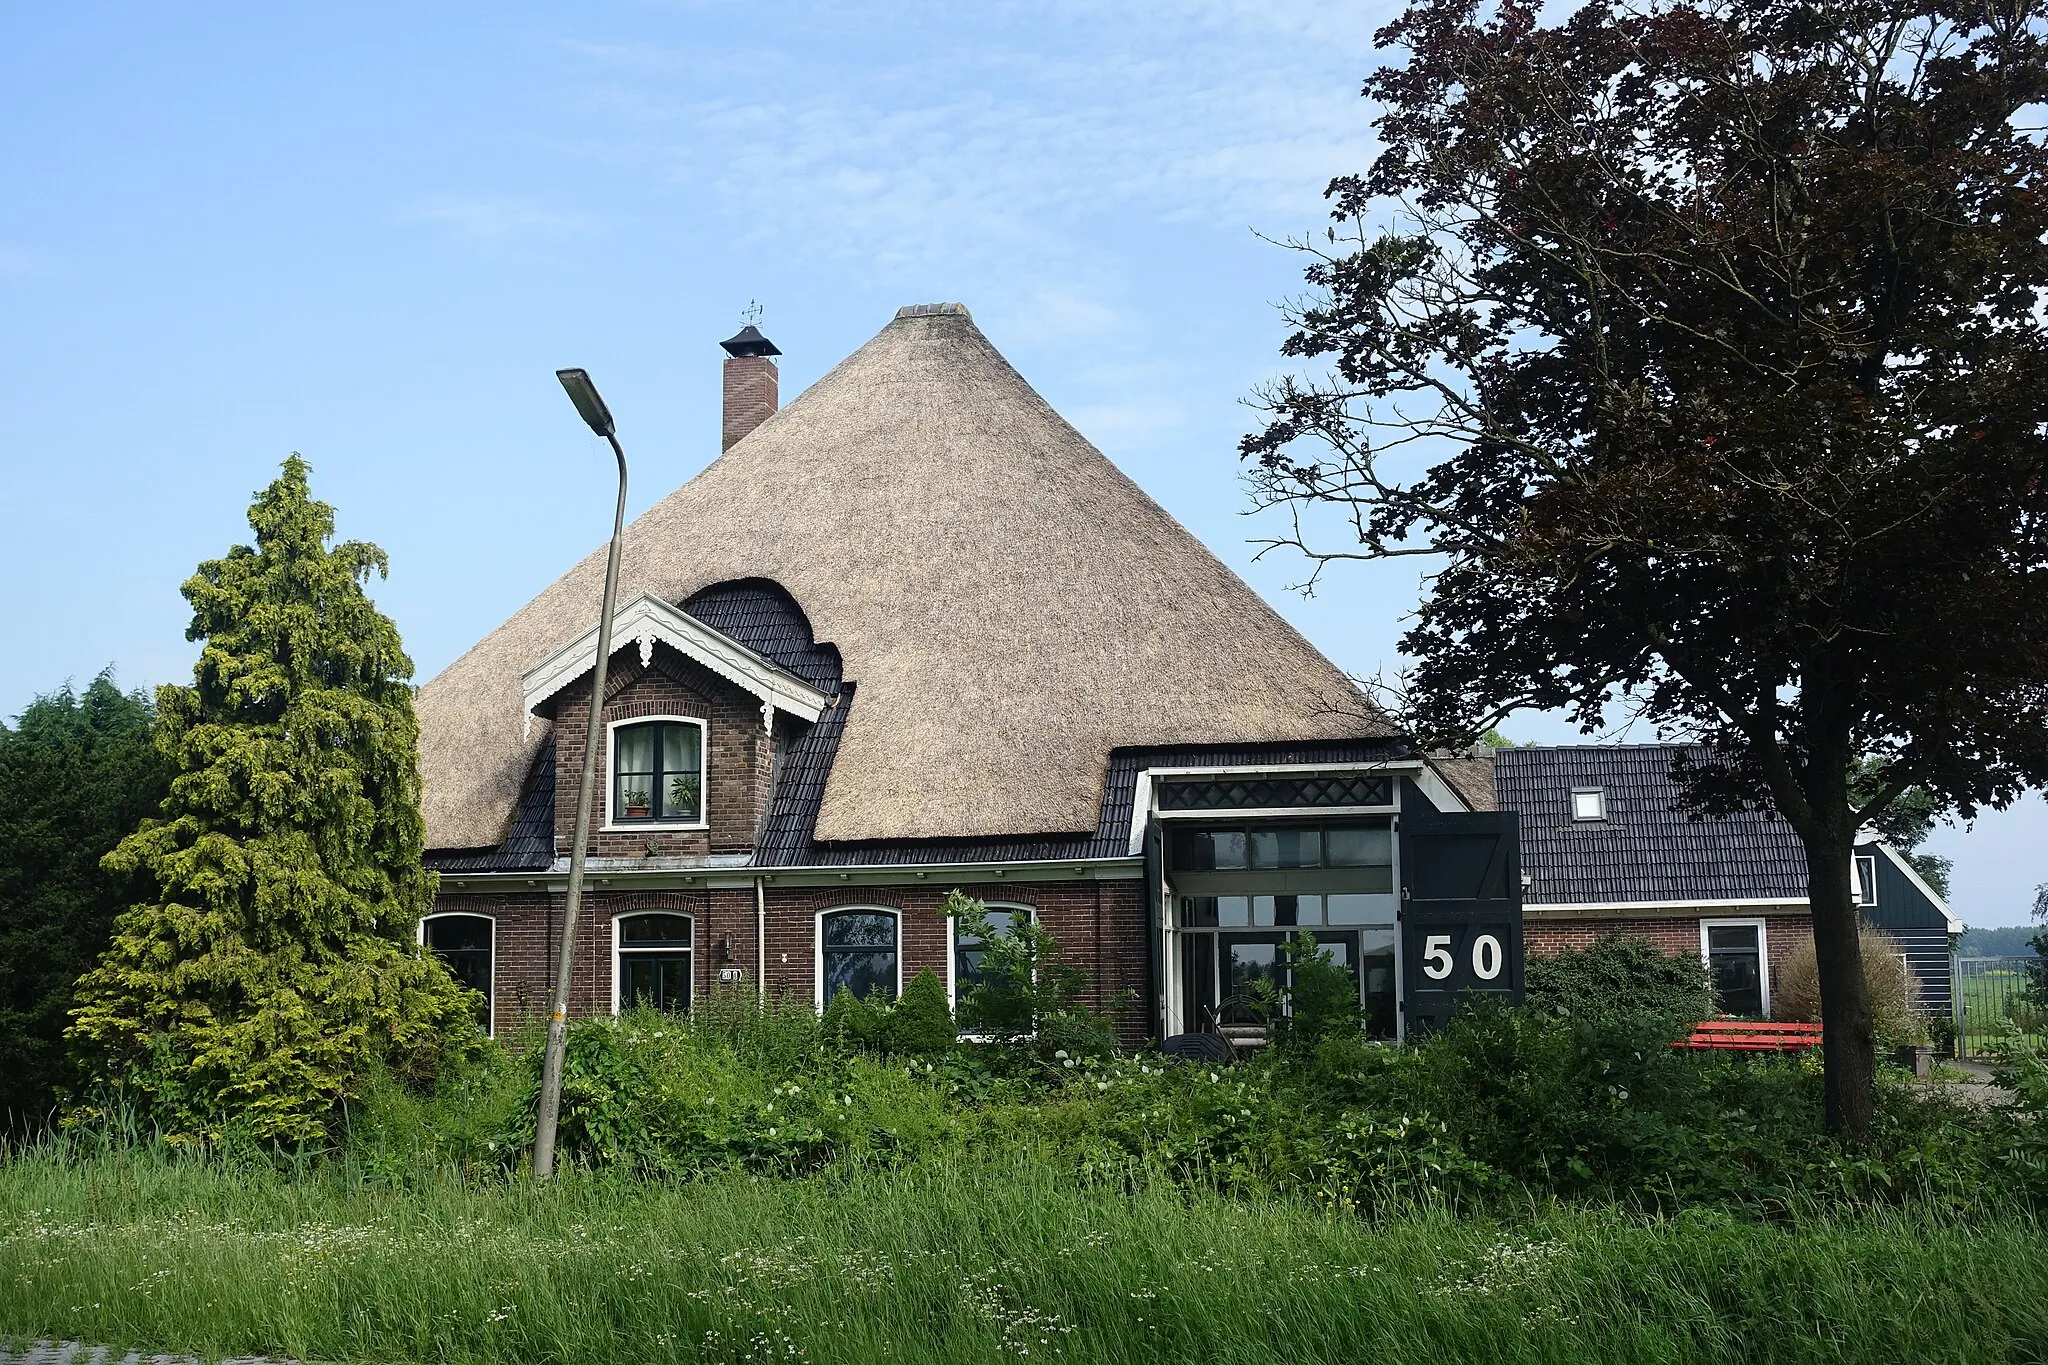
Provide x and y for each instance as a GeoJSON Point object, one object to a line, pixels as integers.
{"type": "Point", "coordinates": [1704, 344]}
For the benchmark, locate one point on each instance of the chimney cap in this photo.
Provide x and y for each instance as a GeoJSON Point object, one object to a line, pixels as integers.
{"type": "Point", "coordinates": [749, 341]}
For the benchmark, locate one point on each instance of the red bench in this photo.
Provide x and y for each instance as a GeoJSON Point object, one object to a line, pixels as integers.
{"type": "Point", "coordinates": [1740, 1035]}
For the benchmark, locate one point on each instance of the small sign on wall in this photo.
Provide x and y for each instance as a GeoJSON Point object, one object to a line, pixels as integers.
{"type": "Point", "coordinates": [728, 976]}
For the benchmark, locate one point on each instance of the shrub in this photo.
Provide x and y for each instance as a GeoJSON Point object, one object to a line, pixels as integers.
{"type": "Point", "coordinates": [920, 1025]}
{"type": "Point", "coordinates": [1795, 986]}
{"type": "Point", "coordinates": [1321, 1001]}
{"type": "Point", "coordinates": [850, 1021]}
{"type": "Point", "coordinates": [1617, 975]}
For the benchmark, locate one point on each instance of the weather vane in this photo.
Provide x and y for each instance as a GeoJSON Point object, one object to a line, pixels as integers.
{"type": "Point", "coordinates": [752, 313]}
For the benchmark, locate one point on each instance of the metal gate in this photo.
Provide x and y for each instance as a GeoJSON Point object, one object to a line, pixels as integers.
{"type": "Point", "coordinates": [2001, 1002]}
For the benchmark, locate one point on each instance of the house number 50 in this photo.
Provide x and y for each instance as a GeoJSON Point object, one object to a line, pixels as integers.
{"type": "Point", "coordinates": [1436, 957]}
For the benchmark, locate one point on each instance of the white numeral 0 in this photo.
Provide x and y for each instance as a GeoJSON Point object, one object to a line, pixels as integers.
{"type": "Point", "coordinates": [1485, 957]}
{"type": "Point", "coordinates": [1436, 957]}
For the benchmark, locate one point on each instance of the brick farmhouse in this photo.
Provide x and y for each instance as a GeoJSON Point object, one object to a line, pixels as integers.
{"type": "Point", "coordinates": [912, 633]}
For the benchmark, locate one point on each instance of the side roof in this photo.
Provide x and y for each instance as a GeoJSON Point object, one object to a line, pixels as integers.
{"type": "Point", "coordinates": [1011, 607]}
{"type": "Point", "coordinates": [1649, 848]}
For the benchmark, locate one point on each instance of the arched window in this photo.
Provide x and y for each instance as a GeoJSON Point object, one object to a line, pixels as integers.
{"type": "Point", "coordinates": [858, 949]}
{"type": "Point", "coordinates": [467, 944]}
{"type": "Point", "coordinates": [657, 772]}
{"type": "Point", "coordinates": [653, 953]}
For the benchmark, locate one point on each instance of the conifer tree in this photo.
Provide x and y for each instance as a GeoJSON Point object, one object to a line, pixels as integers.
{"type": "Point", "coordinates": [275, 967]}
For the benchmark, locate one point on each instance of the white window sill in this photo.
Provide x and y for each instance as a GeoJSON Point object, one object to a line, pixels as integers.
{"type": "Point", "coordinates": [651, 827]}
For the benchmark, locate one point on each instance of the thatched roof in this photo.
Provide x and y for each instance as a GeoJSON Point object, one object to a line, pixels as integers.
{"type": "Point", "coordinates": [1011, 606]}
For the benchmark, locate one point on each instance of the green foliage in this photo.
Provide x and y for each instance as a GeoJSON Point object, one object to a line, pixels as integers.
{"type": "Point", "coordinates": [851, 1021]}
{"type": "Point", "coordinates": [274, 968]}
{"type": "Point", "coordinates": [1617, 975]}
{"type": "Point", "coordinates": [77, 773]}
{"type": "Point", "coordinates": [1029, 995]}
{"type": "Point", "coordinates": [920, 1024]}
{"type": "Point", "coordinates": [1319, 1003]}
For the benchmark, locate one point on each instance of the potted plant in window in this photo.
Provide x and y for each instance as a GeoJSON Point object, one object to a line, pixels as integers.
{"type": "Point", "coordinates": [636, 804]}
{"type": "Point", "coordinates": [682, 794]}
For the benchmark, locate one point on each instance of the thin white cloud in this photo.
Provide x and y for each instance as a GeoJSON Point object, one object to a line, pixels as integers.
{"type": "Point", "coordinates": [1005, 135]}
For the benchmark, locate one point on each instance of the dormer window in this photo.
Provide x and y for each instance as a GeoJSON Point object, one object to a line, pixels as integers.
{"type": "Point", "coordinates": [657, 772]}
{"type": "Point", "coordinates": [1589, 803]}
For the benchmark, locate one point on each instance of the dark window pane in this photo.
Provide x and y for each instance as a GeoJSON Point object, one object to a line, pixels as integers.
{"type": "Point", "coordinates": [655, 929]}
{"type": "Point", "coordinates": [1244, 965]}
{"type": "Point", "coordinates": [675, 983]}
{"type": "Point", "coordinates": [1198, 980]}
{"type": "Point", "coordinates": [451, 933]}
{"type": "Point", "coordinates": [1376, 960]}
{"type": "Point", "coordinates": [865, 972]}
{"type": "Point", "coordinates": [1287, 848]}
{"type": "Point", "coordinates": [659, 980]}
{"type": "Point", "coordinates": [1738, 982]}
{"type": "Point", "coordinates": [1358, 846]}
{"type": "Point", "coordinates": [860, 929]}
{"type": "Point", "coordinates": [1208, 850]}
{"type": "Point", "coordinates": [1727, 937]}
{"type": "Point", "coordinates": [1198, 912]}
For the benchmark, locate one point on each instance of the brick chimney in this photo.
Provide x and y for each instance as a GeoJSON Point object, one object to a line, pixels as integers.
{"type": "Point", "coordinates": [750, 383]}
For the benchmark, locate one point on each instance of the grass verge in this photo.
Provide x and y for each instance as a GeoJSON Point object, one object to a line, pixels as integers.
{"type": "Point", "coordinates": [944, 1262]}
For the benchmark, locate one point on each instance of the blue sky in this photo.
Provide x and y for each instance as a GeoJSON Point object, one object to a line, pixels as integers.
{"type": "Point", "coordinates": [370, 235]}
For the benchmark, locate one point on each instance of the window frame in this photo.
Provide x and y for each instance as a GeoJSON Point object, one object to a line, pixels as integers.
{"type": "Point", "coordinates": [818, 946]}
{"type": "Point", "coordinates": [1029, 912]}
{"type": "Point", "coordinates": [1763, 951]}
{"type": "Point", "coordinates": [1599, 795]}
{"type": "Point", "coordinates": [619, 950]}
{"type": "Point", "coordinates": [1857, 862]}
{"type": "Point", "coordinates": [491, 998]}
{"type": "Point", "coordinates": [612, 821]}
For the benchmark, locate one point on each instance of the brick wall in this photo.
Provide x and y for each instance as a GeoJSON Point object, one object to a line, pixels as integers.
{"type": "Point", "coordinates": [751, 384]}
{"type": "Point", "coordinates": [1100, 927]}
{"type": "Point", "coordinates": [737, 751]}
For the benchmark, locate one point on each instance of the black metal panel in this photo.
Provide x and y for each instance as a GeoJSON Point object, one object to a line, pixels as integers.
{"type": "Point", "coordinates": [1461, 911]}
{"type": "Point", "coordinates": [1269, 793]}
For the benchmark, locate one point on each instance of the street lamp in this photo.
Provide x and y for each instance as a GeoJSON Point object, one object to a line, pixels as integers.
{"type": "Point", "coordinates": [584, 395]}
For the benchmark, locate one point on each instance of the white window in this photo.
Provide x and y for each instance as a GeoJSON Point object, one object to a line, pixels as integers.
{"type": "Point", "coordinates": [859, 947]}
{"type": "Point", "coordinates": [1865, 887]}
{"type": "Point", "coordinates": [1589, 803]}
{"type": "Point", "coordinates": [468, 945]}
{"type": "Point", "coordinates": [652, 961]}
{"type": "Point", "coordinates": [657, 773]}
{"type": "Point", "coordinates": [1738, 960]}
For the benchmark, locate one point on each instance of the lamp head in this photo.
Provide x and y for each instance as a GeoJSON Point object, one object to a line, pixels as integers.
{"type": "Point", "coordinates": [589, 405]}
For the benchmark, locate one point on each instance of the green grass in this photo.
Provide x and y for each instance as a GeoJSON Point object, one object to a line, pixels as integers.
{"type": "Point", "coordinates": [936, 1262]}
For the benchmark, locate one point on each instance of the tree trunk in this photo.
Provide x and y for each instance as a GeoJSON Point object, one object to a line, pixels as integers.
{"type": "Point", "coordinates": [1849, 1043]}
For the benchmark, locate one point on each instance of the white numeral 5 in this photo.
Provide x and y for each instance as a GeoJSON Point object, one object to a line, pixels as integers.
{"type": "Point", "coordinates": [1436, 956]}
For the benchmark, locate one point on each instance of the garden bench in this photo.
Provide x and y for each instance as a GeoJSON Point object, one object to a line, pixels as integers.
{"type": "Point", "coordinates": [1741, 1035]}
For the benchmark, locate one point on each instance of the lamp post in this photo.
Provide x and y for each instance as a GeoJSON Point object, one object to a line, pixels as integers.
{"type": "Point", "coordinates": [584, 395]}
